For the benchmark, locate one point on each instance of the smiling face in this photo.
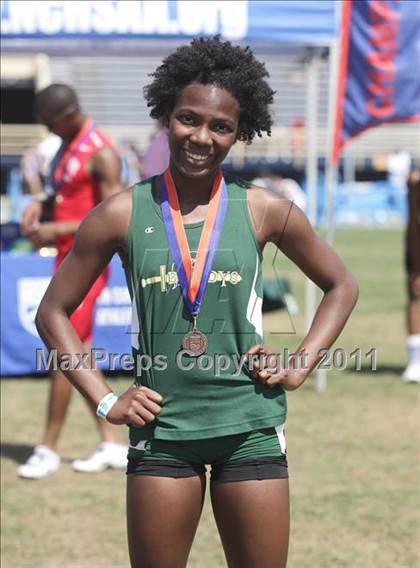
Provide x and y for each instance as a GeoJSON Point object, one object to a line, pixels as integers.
{"type": "Point", "coordinates": [202, 128]}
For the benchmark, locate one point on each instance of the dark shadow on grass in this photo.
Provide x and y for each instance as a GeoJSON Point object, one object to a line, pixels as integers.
{"type": "Point", "coordinates": [16, 452]}
{"type": "Point", "coordinates": [21, 452]}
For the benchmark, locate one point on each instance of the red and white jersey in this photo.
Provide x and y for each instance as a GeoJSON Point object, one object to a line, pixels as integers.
{"type": "Point", "coordinates": [76, 190]}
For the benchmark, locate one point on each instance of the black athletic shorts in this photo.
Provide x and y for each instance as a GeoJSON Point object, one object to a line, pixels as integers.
{"type": "Point", "coordinates": [260, 454]}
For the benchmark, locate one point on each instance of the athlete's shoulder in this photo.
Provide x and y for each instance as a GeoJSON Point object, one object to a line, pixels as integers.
{"type": "Point", "coordinates": [115, 208]}
{"type": "Point", "coordinates": [260, 195]}
{"type": "Point", "coordinates": [142, 192]}
{"type": "Point", "coordinates": [275, 214]}
{"type": "Point", "coordinates": [269, 212]}
{"type": "Point", "coordinates": [107, 224]}
{"type": "Point", "coordinates": [271, 207]}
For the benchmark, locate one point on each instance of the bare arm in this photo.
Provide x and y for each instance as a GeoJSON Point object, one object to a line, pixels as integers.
{"type": "Point", "coordinates": [42, 234]}
{"type": "Point", "coordinates": [101, 234]}
{"type": "Point", "coordinates": [106, 169]}
{"type": "Point", "coordinates": [286, 226]}
{"type": "Point", "coordinates": [30, 169]}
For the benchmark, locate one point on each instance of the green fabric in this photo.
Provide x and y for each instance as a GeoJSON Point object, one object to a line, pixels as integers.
{"type": "Point", "coordinates": [199, 403]}
{"type": "Point", "coordinates": [248, 445]}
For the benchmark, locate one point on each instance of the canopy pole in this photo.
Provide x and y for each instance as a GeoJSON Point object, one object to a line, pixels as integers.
{"type": "Point", "coordinates": [331, 175]}
{"type": "Point", "coordinates": [312, 73]}
{"type": "Point", "coordinates": [331, 168]}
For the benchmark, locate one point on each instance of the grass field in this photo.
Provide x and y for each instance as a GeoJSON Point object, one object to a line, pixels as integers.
{"type": "Point", "coordinates": [353, 451]}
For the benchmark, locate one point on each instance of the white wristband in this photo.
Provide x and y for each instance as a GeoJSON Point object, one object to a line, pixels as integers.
{"type": "Point", "coordinates": [106, 404]}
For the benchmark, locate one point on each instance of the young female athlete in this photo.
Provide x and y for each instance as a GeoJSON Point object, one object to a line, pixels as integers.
{"type": "Point", "coordinates": [191, 241]}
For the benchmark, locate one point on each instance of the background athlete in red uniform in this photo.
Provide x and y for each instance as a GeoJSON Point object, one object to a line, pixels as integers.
{"type": "Point", "coordinates": [85, 170]}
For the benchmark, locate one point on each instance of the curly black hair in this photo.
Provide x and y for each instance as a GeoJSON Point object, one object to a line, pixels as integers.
{"type": "Point", "coordinates": [215, 62]}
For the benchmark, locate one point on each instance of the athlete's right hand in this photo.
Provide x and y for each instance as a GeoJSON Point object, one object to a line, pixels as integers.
{"type": "Point", "coordinates": [136, 407]}
{"type": "Point", "coordinates": [31, 217]}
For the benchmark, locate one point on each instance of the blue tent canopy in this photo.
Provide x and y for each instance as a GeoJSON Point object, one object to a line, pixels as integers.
{"type": "Point", "coordinates": [293, 22]}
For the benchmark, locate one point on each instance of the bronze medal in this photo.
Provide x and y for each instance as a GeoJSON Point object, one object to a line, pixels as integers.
{"type": "Point", "coordinates": [193, 280]}
{"type": "Point", "coordinates": [194, 343]}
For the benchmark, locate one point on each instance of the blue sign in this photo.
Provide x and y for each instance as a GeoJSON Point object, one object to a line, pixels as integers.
{"type": "Point", "coordinates": [291, 21]}
{"type": "Point", "coordinates": [24, 279]}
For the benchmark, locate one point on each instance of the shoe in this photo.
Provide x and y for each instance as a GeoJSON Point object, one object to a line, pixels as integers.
{"type": "Point", "coordinates": [106, 455]}
{"type": "Point", "coordinates": [41, 463]}
{"type": "Point", "coordinates": [412, 373]}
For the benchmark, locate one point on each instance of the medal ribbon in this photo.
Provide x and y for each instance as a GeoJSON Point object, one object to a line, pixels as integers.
{"type": "Point", "coordinates": [193, 281]}
{"type": "Point", "coordinates": [61, 161]}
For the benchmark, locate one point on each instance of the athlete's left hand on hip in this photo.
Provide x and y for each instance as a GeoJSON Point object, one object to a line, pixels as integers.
{"type": "Point", "coordinates": [262, 369]}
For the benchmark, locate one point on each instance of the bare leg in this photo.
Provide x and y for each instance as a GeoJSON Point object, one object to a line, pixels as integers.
{"type": "Point", "coordinates": [412, 371]}
{"type": "Point", "coordinates": [162, 518]}
{"type": "Point", "coordinates": [253, 522]}
{"type": "Point", "coordinates": [58, 403]}
{"type": "Point", "coordinates": [413, 317]}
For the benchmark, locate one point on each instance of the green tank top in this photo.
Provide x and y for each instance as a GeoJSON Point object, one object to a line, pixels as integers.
{"type": "Point", "coordinates": [200, 400]}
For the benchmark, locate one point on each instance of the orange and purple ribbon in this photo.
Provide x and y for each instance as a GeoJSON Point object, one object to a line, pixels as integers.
{"type": "Point", "coordinates": [193, 280]}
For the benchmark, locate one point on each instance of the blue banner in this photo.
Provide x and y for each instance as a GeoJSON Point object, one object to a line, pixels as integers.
{"type": "Point", "coordinates": [24, 279]}
{"type": "Point", "coordinates": [291, 21]}
{"type": "Point", "coordinates": [379, 77]}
